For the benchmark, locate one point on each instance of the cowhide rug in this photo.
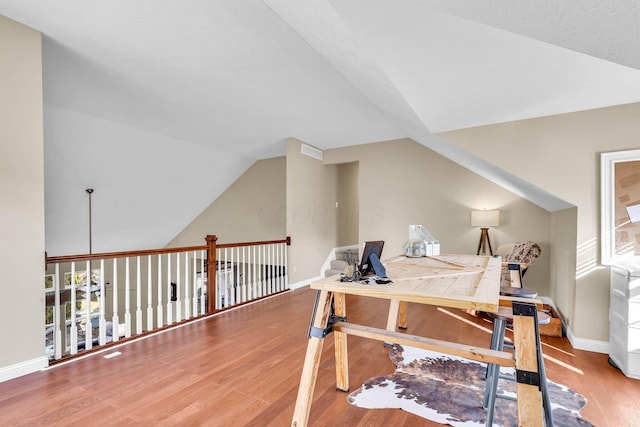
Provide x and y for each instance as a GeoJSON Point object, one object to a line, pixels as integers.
{"type": "Point", "coordinates": [449, 390]}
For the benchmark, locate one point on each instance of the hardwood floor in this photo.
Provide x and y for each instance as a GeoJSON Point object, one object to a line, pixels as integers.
{"type": "Point", "coordinates": [242, 368]}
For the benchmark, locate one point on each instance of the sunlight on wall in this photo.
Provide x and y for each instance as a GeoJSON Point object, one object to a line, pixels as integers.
{"type": "Point", "coordinates": [587, 258]}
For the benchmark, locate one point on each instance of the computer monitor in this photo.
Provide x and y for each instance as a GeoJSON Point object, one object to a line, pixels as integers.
{"type": "Point", "coordinates": [370, 248]}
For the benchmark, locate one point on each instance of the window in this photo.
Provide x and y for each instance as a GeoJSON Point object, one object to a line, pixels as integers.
{"type": "Point", "coordinates": [620, 204]}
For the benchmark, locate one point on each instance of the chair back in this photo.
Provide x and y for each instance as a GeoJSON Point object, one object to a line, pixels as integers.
{"type": "Point", "coordinates": [517, 258]}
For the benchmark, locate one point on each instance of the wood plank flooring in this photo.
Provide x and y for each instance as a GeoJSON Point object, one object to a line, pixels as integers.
{"type": "Point", "coordinates": [242, 368]}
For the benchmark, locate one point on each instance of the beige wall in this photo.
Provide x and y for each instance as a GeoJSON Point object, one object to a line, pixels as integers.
{"type": "Point", "coordinates": [22, 196]}
{"type": "Point", "coordinates": [311, 212]}
{"type": "Point", "coordinates": [401, 183]}
{"type": "Point", "coordinates": [560, 154]}
{"type": "Point", "coordinates": [251, 209]}
{"type": "Point", "coordinates": [388, 186]}
{"type": "Point", "coordinates": [563, 262]}
{"type": "Point", "coordinates": [348, 204]}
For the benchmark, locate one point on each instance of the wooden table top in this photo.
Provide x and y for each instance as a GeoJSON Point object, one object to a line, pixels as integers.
{"type": "Point", "coordinates": [458, 281]}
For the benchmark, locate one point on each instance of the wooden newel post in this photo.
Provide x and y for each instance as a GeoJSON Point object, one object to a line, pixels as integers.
{"type": "Point", "coordinates": [211, 272]}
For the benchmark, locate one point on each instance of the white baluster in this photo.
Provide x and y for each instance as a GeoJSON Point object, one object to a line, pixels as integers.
{"type": "Point", "coordinates": [127, 299]}
{"type": "Point", "coordinates": [270, 256]}
{"type": "Point", "coordinates": [233, 278]}
{"type": "Point", "coordinates": [286, 266]}
{"type": "Point", "coordinates": [88, 326]}
{"type": "Point", "coordinates": [149, 296]}
{"type": "Point", "coordinates": [204, 290]}
{"type": "Point", "coordinates": [178, 301]}
{"type": "Point", "coordinates": [160, 313]}
{"type": "Point", "coordinates": [276, 248]}
{"type": "Point", "coordinates": [275, 268]}
{"type": "Point", "coordinates": [249, 278]}
{"type": "Point", "coordinates": [236, 274]}
{"type": "Point", "coordinates": [194, 307]}
{"type": "Point", "coordinates": [138, 297]}
{"type": "Point", "coordinates": [222, 281]}
{"type": "Point", "coordinates": [57, 315]}
{"type": "Point", "coordinates": [272, 264]}
{"type": "Point", "coordinates": [187, 289]}
{"type": "Point", "coordinates": [263, 263]}
{"type": "Point", "coordinates": [102, 304]}
{"type": "Point", "coordinates": [265, 260]}
{"type": "Point", "coordinates": [220, 284]}
{"type": "Point", "coordinates": [228, 280]}
{"type": "Point", "coordinates": [280, 272]}
{"type": "Point", "coordinates": [243, 288]}
{"type": "Point", "coordinates": [116, 316]}
{"type": "Point", "coordinates": [73, 328]}
{"type": "Point", "coordinates": [263, 283]}
{"type": "Point", "coordinates": [254, 290]}
{"type": "Point", "coordinates": [238, 287]}
{"type": "Point", "coordinates": [169, 305]}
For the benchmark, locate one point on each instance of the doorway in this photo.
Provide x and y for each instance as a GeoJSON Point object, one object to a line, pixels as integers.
{"type": "Point", "coordinates": [348, 204]}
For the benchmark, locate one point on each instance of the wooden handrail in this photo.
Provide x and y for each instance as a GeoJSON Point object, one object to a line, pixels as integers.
{"type": "Point", "coordinates": [264, 242]}
{"type": "Point", "coordinates": [123, 254]}
{"type": "Point", "coordinates": [143, 252]}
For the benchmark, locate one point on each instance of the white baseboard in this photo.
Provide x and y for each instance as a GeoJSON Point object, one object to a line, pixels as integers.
{"type": "Point", "coordinates": [587, 344]}
{"type": "Point", "coordinates": [576, 342]}
{"type": "Point", "coordinates": [23, 368]}
{"type": "Point", "coordinates": [304, 283]}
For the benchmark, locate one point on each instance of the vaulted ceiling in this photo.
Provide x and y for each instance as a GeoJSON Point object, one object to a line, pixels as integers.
{"type": "Point", "coordinates": [160, 105]}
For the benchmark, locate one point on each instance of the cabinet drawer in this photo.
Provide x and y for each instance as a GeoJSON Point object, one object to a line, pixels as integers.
{"type": "Point", "coordinates": [633, 291]}
{"type": "Point", "coordinates": [633, 366]}
{"type": "Point", "coordinates": [623, 310]}
{"type": "Point", "coordinates": [620, 281]}
{"type": "Point", "coordinates": [623, 337]}
{"type": "Point", "coordinates": [633, 340]}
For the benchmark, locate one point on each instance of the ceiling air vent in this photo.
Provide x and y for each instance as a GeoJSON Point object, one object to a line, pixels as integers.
{"type": "Point", "coordinates": [310, 151]}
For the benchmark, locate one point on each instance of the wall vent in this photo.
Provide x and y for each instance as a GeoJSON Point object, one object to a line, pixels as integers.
{"type": "Point", "coordinates": [310, 151]}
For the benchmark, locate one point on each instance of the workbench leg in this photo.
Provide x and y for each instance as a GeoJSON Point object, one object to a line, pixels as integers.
{"type": "Point", "coordinates": [392, 320]}
{"type": "Point", "coordinates": [529, 394]}
{"type": "Point", "coordinates": [402, 315]}
{"type": "Point", "coordinates": [312, 360]}
{"type": "Point", "coordinates": [340, 344]}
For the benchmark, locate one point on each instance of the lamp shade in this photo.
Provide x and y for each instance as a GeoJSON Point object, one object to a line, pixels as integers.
{"type": "Point", "coordinates": [485, 218]}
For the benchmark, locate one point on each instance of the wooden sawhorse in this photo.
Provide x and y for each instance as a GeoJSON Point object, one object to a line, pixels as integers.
{"type": "Point", "coordinates": [329, 315]}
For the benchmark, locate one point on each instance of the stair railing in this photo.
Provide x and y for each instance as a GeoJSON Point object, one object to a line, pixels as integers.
{"type": "Point", "coordinates": [93, 300]}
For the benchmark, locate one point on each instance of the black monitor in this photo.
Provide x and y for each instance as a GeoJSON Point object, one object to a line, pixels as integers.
{"type": "Point", "coordinates": [366, 265]}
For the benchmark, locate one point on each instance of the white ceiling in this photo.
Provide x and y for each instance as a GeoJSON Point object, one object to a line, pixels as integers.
{"type": "Point", "coordinates": [233, 79]}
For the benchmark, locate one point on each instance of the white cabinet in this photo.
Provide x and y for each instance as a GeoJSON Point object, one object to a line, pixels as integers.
{"type": "Point", "coordinates": [624, 317]}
